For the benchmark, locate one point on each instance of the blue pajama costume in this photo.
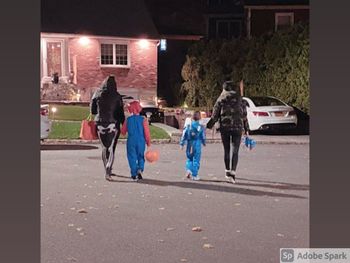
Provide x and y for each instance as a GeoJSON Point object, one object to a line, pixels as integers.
{"type": "Point", "coordinates": [136, 144]}
{"type": "Point", "coordinates": [194, 136]}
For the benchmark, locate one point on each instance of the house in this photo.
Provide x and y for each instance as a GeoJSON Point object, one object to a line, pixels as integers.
{"type": "Point", "coordinates": [224, 19]}
{"type": "Point", "coordinates": [263, 16]}
{"type": "Point", "coordinates": [84, 41]}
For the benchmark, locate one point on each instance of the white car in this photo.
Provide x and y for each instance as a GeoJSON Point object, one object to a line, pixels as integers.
{"type": "Point", "coordinates": [265, 113]}
{"type": "Point", "coordinates": [45, 123]}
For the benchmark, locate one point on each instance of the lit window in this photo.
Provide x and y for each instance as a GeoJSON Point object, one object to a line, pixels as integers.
{"type": "Point", "coordinates": [283, 20]}
{"type": "Point", "coordinates": [114, 54]}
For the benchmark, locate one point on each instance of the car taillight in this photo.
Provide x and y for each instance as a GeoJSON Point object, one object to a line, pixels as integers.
{"type": "Point", "coordinates": [292, 113]}
{"type": "Point", "coordinates": [260, 113]}
{"type": "Point", "coordinates": [44, 112]}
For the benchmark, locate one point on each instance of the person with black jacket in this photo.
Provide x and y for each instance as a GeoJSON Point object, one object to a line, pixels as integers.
{"type": "Point", "coordinates": [231, 113]}
{"type": "Point", "coordinates": [107, 106]}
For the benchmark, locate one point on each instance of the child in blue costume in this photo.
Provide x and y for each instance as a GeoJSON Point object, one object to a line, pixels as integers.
{"type": "Point", "coordinates": [138, 136]}
{"type": "Point", "coordinates": [194, 135]}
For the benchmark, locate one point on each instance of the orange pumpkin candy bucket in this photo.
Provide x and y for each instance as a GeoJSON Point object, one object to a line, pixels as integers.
{"type": "Point", "coordinates": [152, 156]}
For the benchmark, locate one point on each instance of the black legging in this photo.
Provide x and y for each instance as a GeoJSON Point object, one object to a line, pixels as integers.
{"type": "Point", "coordinates": [227, 138]}
{"type": "Point", "coordinates": [108, 134]}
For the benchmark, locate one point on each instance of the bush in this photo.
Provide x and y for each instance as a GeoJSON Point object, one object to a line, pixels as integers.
{"type": "Point", "coordinates": [274, 64]}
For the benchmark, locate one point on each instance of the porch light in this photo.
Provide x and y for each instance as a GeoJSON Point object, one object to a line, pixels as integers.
{"type": "Point", "coordinates": [144, 43]}
{"type": "Point", "coordinates": [84, 41]}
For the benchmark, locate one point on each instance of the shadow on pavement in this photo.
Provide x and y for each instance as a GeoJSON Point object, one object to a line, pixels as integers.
{"type": "Point", "coordinates": [276, 185]}
{"type": "Point", "coordinates": [212, 187]}
{"type": "Point", "coordinates": [61, 147]}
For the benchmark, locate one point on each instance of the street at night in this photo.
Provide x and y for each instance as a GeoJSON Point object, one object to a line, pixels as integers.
{"type": "Point", "coordinates": [166, 218]}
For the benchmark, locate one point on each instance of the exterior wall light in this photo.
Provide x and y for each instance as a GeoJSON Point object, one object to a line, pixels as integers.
{"type": "Point", "coordinates": [84, 41]}
{"type": "Point", "coordinates": [143, 43]}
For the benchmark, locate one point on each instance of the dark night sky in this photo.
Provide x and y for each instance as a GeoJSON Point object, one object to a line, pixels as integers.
{"type": "Point", "coordinates": [124, 18]}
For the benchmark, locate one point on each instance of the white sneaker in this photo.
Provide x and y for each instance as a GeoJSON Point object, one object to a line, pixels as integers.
{"type": "Point", "coordinates": [196, 178]}
{"type": "Point", "coordinates": [230, 176]}
{"type": "Point", "coordinates": [233, 176]}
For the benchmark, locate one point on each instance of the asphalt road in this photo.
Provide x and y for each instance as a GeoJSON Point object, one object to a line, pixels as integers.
{"type": "Point", "coordinates": [87, 219]}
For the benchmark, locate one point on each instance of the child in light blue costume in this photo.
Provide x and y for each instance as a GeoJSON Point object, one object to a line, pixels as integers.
{"type": "Point", "coordinates": [194, 135]}
{"type": "Point", "coordinates": [138, 136]}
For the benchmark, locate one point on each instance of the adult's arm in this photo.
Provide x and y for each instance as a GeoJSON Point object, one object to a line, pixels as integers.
{"type": "Point", "coordinates": [119, 112]}
{"type": "Point", "coordinates": [216, 114]}
{"type": "Point", "coordinates": [93, 104]}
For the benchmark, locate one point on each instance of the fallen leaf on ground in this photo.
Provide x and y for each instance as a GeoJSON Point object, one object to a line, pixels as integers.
{"type": "Point", "coordinates": [183, 260]}
{"type": "Point", "coordinates": [116, 206]}
{"type": "Point", "coordinates": [204, 238]}
{"type": "Point", "coordinates": [72, 208]}
{"type": "Point", "coordinates": [237, 204]}
{"type": "Point", "coordinates": [78, 202]}
{"type": "Point", "coordinates": [84, 196]}
{"type": "Point", "coordinates": [82, 234]}
{"type": "Point", "coordinates": [238, 231]}
{"type": "Point", "coordinates": [209, 246]}
{"type": "Point", "coordinates": [189, 193]}
{"type": "Point", "coordinates": [160, 240]}
{"type": "Point", "coordinates": [161, 208]}
{"type": "Point", "coordinates": [70, 225]}
{"type": "Point", "coordinates": [61, 213]}
{"type": "Point", "coordinates": [114, 196]}
{"type": "Point", "coordinates": [276, 200]}
{"type": "Point", "coordinates": [82, 211]}
{"type": "Point", "coordinates": [197, 229]}
{"type": "Point", "coordinates": [99, 194]}
{"type": "Point", "coordinates": [72, 259]}
{"type": "Point", "coordinates": [79, 229]}
{"type": "Point", "coordinates": [170, 229]}
{"type": "Point", "coordinates": [280, 235]}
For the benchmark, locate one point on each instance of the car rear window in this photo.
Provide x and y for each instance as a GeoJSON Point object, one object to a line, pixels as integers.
{"type": "Point", "coordinates": [266, 101]}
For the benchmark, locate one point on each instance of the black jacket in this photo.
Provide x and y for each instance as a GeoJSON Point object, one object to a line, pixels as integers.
{"type": "Point", "coordinates": [229, 110]}
{"type": "Point", "coordinates": [107, 103]}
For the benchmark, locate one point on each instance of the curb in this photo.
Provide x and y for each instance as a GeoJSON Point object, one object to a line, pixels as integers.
{"type": "Point", "coordinates": [168, 141]}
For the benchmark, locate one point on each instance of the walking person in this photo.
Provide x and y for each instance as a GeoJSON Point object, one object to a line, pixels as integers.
{"type": "Point", "coordinates": [231, 114]}
{"type": "Point", "coordinates": [138, 136]}
{"type": "Point", "coordinates": [194, 136]}
{"type": "Point", "coordinates": [107, 105]}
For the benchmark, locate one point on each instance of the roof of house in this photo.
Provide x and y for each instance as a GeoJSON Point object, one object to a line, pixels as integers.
{"type": "Point", "coordinates": [276, 2]}
{"type": "Point", "coordinates": [120, 18]}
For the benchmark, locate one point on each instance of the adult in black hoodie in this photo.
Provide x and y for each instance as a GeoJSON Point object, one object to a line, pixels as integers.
{"type": "Point", "coordinates": [230, 111]}
{"type": "Point", "coordinates": [107, 106]}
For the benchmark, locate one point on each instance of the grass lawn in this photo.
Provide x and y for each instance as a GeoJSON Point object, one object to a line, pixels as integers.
{"type": "Point", "coordinates": [69, 113]}
{"type": "Point", "coordinates": [71, 130]}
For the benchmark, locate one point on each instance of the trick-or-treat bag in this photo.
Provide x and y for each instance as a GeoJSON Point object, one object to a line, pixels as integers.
{"type": "Point", "coordinates": [88, 129]}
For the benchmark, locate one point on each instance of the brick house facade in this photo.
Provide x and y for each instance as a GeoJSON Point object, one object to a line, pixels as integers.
{"type": "Point", "coordinates": [84, 45]}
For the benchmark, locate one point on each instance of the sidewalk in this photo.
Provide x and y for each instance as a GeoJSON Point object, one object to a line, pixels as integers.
{"type": "Point", "coordinates": [175, 135]}
{"type": "Point", "coordinates": [214, 137]}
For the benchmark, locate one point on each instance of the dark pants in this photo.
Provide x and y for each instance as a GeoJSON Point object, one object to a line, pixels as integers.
{"type": "Point", "coordinates": [108, 134]}
{"type": "Point", "coordinates": [231, 138]}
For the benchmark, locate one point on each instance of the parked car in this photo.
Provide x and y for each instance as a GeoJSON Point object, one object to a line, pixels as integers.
{"type": "Point", "coordinates": [268, 113]}
{"type": "Point", "coordinates": [152, 111]}
{"type": "Point", "coordinates": [45, 123]}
